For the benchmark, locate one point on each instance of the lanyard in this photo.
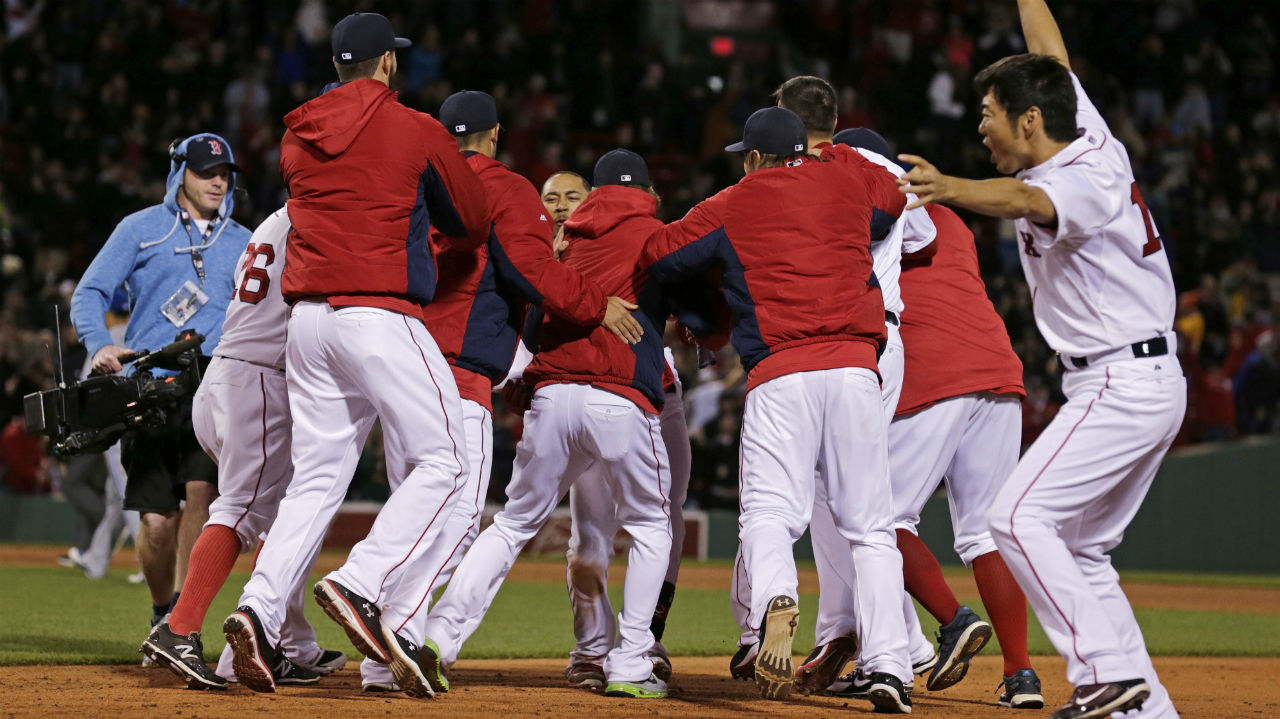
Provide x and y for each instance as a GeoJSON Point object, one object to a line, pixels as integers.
{"type": "Point", "coordinates": [197, 257]}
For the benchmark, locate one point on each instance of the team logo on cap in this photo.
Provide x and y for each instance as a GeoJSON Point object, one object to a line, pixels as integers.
{"type": "Point", "coordinates": [215, 147]}
{"type": "Point", "coordinates": [346, 56]}
{"type": "Point", "coordinates": [626, 178]}
{"type": "Point", "coordinates": [799, 148]}
{"type": "Point", "coordinates": [459, 128]}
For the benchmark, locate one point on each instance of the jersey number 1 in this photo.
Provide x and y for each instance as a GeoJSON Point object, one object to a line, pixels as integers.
{"type": "Point", "coordinates": [1153, 240]}
{"type": "Point", "coordinates": [253, 272]}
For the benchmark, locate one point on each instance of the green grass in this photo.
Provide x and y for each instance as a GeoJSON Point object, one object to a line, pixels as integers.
{"type": "Point", "coordinates": [55, 616]}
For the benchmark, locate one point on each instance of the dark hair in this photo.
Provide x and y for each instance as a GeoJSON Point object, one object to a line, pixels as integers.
{"type": "Point", "coordinates": [812, 98]}
{"type": "Point", "coordinates": [473, 139]}
{"type": "Point", "coordinates": [586, 184]}
{"type": "Point", "coordinates": [358, 70]}
{"type": "Point", "coordinates": [1020, 82]}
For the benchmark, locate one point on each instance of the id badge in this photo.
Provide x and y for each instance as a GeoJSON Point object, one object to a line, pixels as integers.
{"type": "Point", "coordinates": [184, 304]}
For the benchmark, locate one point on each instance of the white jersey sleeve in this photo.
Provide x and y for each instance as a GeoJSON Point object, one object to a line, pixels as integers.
{"type": "Point", "coordinates": [257, 318]}
{"type": "Point", "coordinates": [911, 233]}
{"type": "Point", "coordinates": [1100, 278]}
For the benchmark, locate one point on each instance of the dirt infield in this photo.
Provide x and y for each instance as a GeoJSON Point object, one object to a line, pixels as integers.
{"type": "Point", "coordinates": [533, 688]}
{"type": "Point", "coordinates": [1152, 595]}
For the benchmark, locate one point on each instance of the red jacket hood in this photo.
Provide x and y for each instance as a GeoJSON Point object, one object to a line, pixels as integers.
{"type": "Point", "coordinates": [331, 122]}
{"type": "Point", "coordinates": [606, 208]}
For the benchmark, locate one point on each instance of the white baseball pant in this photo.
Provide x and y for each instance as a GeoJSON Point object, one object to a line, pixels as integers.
{"type": "Point", "coordinates": [569, 428]}
{"type": "Point", "coordinates": [409, 603]}
{"type": "Point", "coordinates": [347, 367]}
{"type": "Point", "coordinates": [1067, 504]}
{"type": "Point", "coordinates": [832, 420]}
{"type": "Point", "coordinates": [593, 530]}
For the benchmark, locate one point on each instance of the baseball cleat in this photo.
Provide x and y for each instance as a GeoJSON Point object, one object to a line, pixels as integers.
{"type": "Point", "coordinates": [357, 616]}
{"type": "Point", "coordinates": [774, 675]}
{"type": "Point", "coordinates": [380, 687]}
{"type": "Point", "coordinates": [1100, 700]}
{"type": "Point", "coordinates": [184, 656]}
{"type": "Point", "coordinates": [251, 660]}
{"type": "Point", "coordinates": [1021, 691]}
{"type": "Point", "coordinates": [586, 675]}
{"type": "Point", "coordinates": [330, 661]}
{"type": "Point", "coordinates": [286, 673]}
{"type": "Point", "coordinates": [651, 688]}
{"type": "Point", "coordinates": [433, 667]}
{"type": "Point", "coordinates": [661, 662]}
{"type": "Point", "coordinates": [921, 667]}
{"type": "Point", "coordinates": [405, 667]}
{"type": "Point", "coordinates": [888, 695]}
{"type": "Point", "coordinates": [743, 664]}
{"type": "Point", "coordinates": [823, 665]}
{"type": "Point", "coordinates": [958, 641]}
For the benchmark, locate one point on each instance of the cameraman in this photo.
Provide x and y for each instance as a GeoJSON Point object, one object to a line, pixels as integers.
{"type": "Point", "coordinates": [176, 259]}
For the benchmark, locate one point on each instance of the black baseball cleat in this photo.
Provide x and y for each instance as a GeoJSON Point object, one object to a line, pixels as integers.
{"type": "Point", "coordinates": [330, 661]}
{"type": "Point", "coordinates": [853, 685]}
{"type": "Point", "coordinates": [1101, 700]}
{"type": "Point", "coordinates": [184, 656]}
{"type": "Point", "coordinates": [1021, 691]}
{"type": "Point", "coordinates": [743, 664]}
{"type": "Point", "coordinates": [887, 694]}
{"type": "Point", "coordinates": [358, 616]}
{"type": "Point", "coordinates": [774, 675]}
{"type": "Point", "coordinates": [286, 673]}
{"type": "Point", "coordinates": [405, 667]}
{"type": "Point", "coordinates": [958, 641]}
{"type": "Point", "coordinates": [823, 665]}
{"type": "Point", "coordinates": [252, 660]}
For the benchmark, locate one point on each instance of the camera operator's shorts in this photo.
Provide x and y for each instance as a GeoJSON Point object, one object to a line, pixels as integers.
{"type": "Point", "coordinates": [159, 462]}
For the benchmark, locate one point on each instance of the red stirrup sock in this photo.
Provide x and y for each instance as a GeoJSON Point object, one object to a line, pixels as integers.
{"type": "Point", "coordinates": [923, 578]}
{"type": "Point", "coordinates": [1006, 608]}
{"type": "Point", "coordinates": [212, 558]}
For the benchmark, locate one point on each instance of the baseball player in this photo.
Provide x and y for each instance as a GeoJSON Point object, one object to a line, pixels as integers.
{"type": "Point", "coordinates": [241, 417]}
{"type": "Point", "coordinates": [814, 101]}
{"type": "Point", "coordinates": [562, 193]}
{"type": "Point", "coordinates": [959, 421]}
{"type": "Point", "coordinates": [1104, 301]}
{"type": "Point", "coordinates": [596, 403]}
{"type": "Point", "coordinates": [808, 324]}
{"type": "Point", "coordinates": [472, 320]}
{"type": "Point", "coordinates": [367, 179]}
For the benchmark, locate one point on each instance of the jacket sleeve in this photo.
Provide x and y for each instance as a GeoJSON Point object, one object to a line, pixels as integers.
{"type": "Point", "coordinates": [887, 204]}
{"type": "Point", "coordinates": [687, 246]}
{"type": "Point", "coordinates": [454, 196]}
{"type": "Point", "coordinates": [522, 259]}
{"type": "Point", "coordinates": [701, 309]}
{"type": "Point", "coordinates": [93, 294]}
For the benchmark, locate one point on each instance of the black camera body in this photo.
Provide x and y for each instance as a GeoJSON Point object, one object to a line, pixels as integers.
{"type": "Point", "coordinates": [90, 415]}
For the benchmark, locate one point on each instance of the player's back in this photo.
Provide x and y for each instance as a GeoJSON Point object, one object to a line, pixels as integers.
{"type": "Point", "coordinates": [255, 326]}
{"type": "Point", "coordinates": [1100, 279]}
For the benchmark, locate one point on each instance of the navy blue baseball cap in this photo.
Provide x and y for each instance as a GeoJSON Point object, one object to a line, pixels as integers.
{"type": "Point", "coordinates": [364, 35]}
{"type": "Point", "coordinates": [469, 111]}
{"type": "Point", "coordinates": [865, 138]}
{"type": "Point", "coordinates": [773, 131]}
{"type": "Point", "coordinates": [206, 151]}
{"type": "Point", "coordinates": [621, 167]}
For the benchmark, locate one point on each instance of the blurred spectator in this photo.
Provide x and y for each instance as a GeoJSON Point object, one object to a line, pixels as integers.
{"type": "Point", "coordinates": [1257, 387]}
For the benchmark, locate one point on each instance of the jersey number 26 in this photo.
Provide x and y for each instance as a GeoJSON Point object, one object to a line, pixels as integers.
{"type": "Point", "coordinates": [261, 280]}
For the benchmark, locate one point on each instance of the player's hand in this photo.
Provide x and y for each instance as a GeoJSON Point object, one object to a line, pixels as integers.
{"type": "Point", "coordinates": [618, 320]}
{"type": "Point", "coordinates": [924, 181]}
{"type": "Point", "coordinates": [105, 362]}
{"type": "Point", "coordinates": [559, 244]}
{"type": "Point", "coordinates": [517, 395]}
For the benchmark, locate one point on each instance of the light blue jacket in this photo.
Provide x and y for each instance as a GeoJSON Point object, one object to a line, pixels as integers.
{"type": "Point", "coordinates": [150, 253]}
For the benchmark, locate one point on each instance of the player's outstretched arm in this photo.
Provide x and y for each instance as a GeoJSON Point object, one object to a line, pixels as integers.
{"type": "Point", "coordinates": [1005, 197]}
{"type": "Point", "coordinates": [1041, 31]}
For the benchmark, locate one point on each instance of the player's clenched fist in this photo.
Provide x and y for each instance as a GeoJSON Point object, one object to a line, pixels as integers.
{"type": "Point", "coordinates": [924, 181]}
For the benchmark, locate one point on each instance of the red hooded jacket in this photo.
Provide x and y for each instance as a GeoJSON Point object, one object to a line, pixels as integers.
{"type": "Point", "coordinates": [368, 178]}
{"type": "Point", "coordinates": [795, 247]}
{"type": "Point", "coordinates": [606, 235]}
{"type": "Point", "coordinates": [953, 339]}
{"type": "Point", "coordinates": [474, 317]}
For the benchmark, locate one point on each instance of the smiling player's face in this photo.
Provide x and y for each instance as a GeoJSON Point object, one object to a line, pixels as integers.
{"type": "Point", "coordinates": [999, 136]}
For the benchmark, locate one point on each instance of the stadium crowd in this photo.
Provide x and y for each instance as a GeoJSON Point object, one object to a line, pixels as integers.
{"type": "Point", "coordinates": [92, 93]}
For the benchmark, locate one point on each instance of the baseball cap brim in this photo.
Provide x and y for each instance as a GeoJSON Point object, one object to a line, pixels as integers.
{"type": "Point", "coordinates": [402, 42]}
{"type": "Point", "coordinates": [737, 147]}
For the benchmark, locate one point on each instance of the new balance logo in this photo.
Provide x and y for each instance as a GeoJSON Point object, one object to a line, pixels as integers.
{"type": "Point", "coordinates": [186, 651]}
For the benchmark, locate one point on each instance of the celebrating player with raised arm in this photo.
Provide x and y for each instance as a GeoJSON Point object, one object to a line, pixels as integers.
{"type": "Point", "coordinates": [1104, 300]}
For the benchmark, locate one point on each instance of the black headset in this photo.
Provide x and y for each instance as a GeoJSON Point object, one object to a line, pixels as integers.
{"type": "Point", "coordinates": [174, 155]}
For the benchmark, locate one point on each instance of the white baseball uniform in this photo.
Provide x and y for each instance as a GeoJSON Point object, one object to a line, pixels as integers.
{"type": "Point", "coordinates": [241, 414]}
{"type": "Point", "coordinates": [569, 429]}
{"type": "Point", "coordinates": [591, 505]}
{"type": "Point", "coordinates": [1104, 299]}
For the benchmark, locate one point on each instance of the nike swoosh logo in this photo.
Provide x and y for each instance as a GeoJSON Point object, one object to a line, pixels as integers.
{"type": "Point", "coordinates": [1082, 701]}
